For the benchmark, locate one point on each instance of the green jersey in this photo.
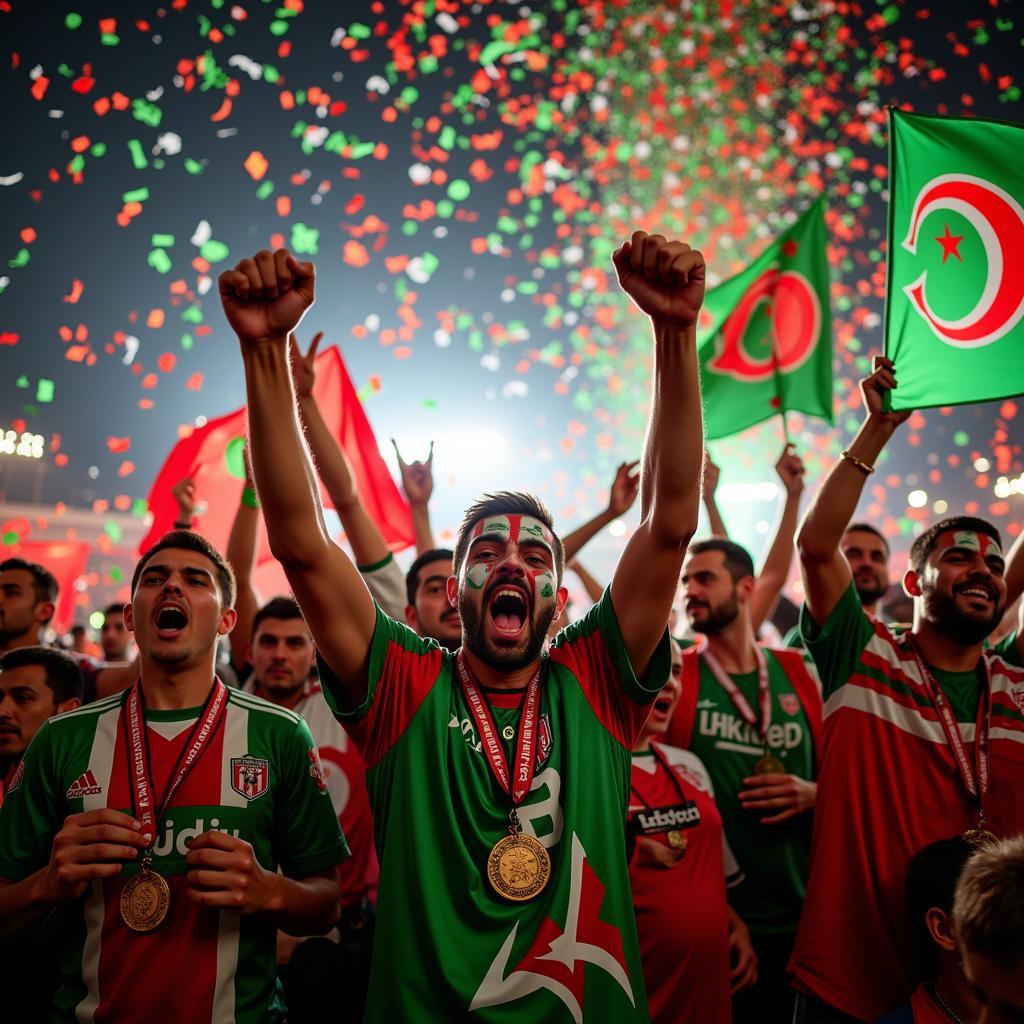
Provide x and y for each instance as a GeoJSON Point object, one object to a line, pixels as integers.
{"type": "Point", "coordinates": [447, 947]}
{"type": "Point", "coordinates": [258, 778]}
{"type": "Point", "coordinates": [775, 858]}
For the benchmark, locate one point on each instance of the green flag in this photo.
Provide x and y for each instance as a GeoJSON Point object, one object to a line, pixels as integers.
{"type": "Point", "coordinates": [766, 334]}
{"type": "Point", "coordinates": [955, 290]}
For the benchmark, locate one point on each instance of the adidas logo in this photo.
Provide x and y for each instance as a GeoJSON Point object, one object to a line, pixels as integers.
{"type": "Point", "coordinates": [84, 785]}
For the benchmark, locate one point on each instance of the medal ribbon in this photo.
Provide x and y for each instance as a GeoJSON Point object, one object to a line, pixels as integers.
{"type": "Point", "coordinates": [143, 798]}
{"type": "Point", "coordinates": [739, 701]}
{"type": "Point", "coordinates": [526, 739]}
{"type": "Point", "coordinates": [978, 785]}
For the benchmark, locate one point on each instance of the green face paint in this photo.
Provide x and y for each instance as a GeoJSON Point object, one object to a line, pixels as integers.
{"type": "Point", "coordinates": [476, 575]}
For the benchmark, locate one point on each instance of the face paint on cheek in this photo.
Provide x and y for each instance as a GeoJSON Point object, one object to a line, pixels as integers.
{"type": "Point", "coordinates": [476, 575]}
{"type": "Point", "coordinates": [543, 586]}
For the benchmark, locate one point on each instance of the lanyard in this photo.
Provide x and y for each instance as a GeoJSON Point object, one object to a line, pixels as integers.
{"type": "Point", "coordinates": [137, 746]}
{"type": "Point", "coordinates": [526, 738]}
{"type": "Point", "coordinates": [975, 784]}
{"type": "Point", "coordinates": [739, 701]}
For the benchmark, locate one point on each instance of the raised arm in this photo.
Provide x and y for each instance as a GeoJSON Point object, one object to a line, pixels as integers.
{"type": "Point", "coordinates": [775, 571]}
{"type": "Point", "coordinates": [621, 497]}
{"type": "Point", "coordinates": [709, 485]}
{"type": "Point", "coordinates": [368, 544]}
{"type": "Point", "coordinates": [666, 281]}
{"type": "Point", "coordinates": [825, 572]}
{"type": "Point", "coordinates": [418, 484]}
{"type": "Point", "coordinates": [241, 555]}
{"type": "Point", "coordinates": [264, 299]}
{"type": "Point", "coordinates": [1014, 574]}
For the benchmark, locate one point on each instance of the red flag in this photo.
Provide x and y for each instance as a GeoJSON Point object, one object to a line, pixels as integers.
{"type": "Point", "coordinates": [66, 559]}
{"type": "Point", "coordinates": [212, 456]}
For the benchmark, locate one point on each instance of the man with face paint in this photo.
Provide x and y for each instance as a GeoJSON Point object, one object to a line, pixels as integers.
{"type": "Point", "coordinates": [922, 733]}
{"type": "Point", "coordinates": [498, 775]}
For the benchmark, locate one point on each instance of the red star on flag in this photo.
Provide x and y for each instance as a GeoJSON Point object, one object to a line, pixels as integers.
{"type": "Point", "coordinates": [949, 244]}
{"type": "Point", "coordinates": [789, 248]}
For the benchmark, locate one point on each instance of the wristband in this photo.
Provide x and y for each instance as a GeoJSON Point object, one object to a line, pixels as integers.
{"type": "Point", "coordinates": [179, 525]}
{"type": "Point", "coordinates": [861, 465]}
{"type": "Point", "coordinates": [250, 498]}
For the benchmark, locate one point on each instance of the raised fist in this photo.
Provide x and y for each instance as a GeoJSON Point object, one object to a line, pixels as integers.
{"type": "Point", "coordinates": [266, 297]}
{"type": "Point", "coordinates": [665, 279]}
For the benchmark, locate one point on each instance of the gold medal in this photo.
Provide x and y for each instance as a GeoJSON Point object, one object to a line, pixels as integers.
{"type": "Point", "coordinates": [518, 867]}
{"type": "Point", "coordinates": [676, 839]}
{"type": "Point", "coordinates": [145, 900]}
{"type": "Point", "coordinates": [769, 765]}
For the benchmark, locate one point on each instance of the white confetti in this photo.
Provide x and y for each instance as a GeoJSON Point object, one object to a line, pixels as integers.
{"type": "Point", "coordinates": [169, 143]}
{"type": "Point", "coordinates": [11, 179]}
{"type": "Point", "coordinates": [252, 68]}
{"type": "Point", "coordinates": [202, 234]}
{"type": "Point", "coordinates": [131, 347]}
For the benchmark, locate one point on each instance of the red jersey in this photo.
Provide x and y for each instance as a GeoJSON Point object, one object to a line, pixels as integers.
{"type": "Point", "coordinates": [889, 785]}
{"type": "Point", "coordinates": [346, 783]}
{"type": "Point", "coordinates": [681, 912]}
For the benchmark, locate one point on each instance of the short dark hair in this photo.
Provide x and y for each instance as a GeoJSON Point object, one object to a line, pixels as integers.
{"type": "Point", "coordinates": [412, 577]}
{"type": "Point", "coordinates": [44, 583]}
{"type": "Point", "coordinates": [505, 503]}
{"type": "Point", "coordinates": [932, 875]}
{"type": "Point", "coordinates": [284, 608]}
{"type": "Point", "coordinates": [737, 558]}
{"type": "Point", "coordinates": [988, 909]}
{"type": "Point", "coordinates": [114, 608]}
{"type": "Point", "coordinates": [868, 528]}
{"type": "Point", "coordinates": [189, 540]}
{"type": "Point", "coordinates": [62, 674]}
{"type": "Point", "coordinates": [924, 545]}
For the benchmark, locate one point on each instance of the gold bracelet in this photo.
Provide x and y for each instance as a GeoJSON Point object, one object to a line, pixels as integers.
{"type": "Point", "coordinates": [860, 464]}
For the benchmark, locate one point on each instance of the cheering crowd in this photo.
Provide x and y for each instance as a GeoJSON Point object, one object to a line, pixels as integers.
{"type": "Point", "coordinates": [429, 796]}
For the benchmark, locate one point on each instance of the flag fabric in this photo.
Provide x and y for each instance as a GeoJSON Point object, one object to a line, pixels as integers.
{"type": "Point", "coordinates": [66, 559]}
{"type": "Point", "coordinates": [955, 288]}
{"type": "Point", "coordinates": [765, 335]}
{"type": "Point", "coordinates": [212, 456]}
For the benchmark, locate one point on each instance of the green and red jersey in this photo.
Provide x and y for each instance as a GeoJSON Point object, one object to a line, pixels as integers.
{"type": "Point", "coordinates": [775, 858]}
{"type": "Point", "coordinates": [446, 946]}
{"type": "Point", "coordinates": [682, 916]}
{"type": "Point", "coordinates": [258, 778]}
{"type": "Point", "coordinates": [889, 785]}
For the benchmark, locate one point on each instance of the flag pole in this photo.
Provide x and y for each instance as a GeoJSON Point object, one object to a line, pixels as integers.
{"type": "Point", "coordinates": [777, 376]}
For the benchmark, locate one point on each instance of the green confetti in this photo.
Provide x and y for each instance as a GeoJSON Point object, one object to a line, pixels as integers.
{"type": "Point", "coordinates": [72, 21]}
{"type": "Point", "coordinates": [44, 390]}
{"type": "Point", "coordinates": [305, 239]}
{"type": "Point", "coordinates": [213, 251]}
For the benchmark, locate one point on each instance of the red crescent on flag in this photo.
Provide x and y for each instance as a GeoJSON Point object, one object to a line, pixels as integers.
{"type": "Point", "coordinates": [795, 324]}
{"type": "Point", "coordinates": [999, 220]}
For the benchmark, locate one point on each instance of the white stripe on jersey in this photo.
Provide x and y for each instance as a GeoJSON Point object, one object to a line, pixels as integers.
{"type": "Point", "coordinates": [97, 707]}
{"type": "Point", "coordinates": [227, 963]}
{"type": "Point", "coordinates": [236, 744]}
{"type": "Point", "coordinates": [101, 757]}
{"type": "Point", "coordinates": [93, 919]}
{"type": "Point", "coordinates": [256, 704]}
{"type": "Point", "coordinates": [860, 698]}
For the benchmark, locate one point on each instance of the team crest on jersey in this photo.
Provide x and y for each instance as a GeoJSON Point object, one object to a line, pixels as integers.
{"type": "Point", "coordinates": [250, 776]}
{"type": "Point", "coordinates": [1018, 698]}
{"type": "Point", "coordinates": [85, 785]}
{"type": "Point", "coordinates": [316, 769]}
{"type": "Point", "coordinates": [789, 703]}
{"type": "Point", "coordinates": [17, 778]}
{"type": "Point", "coordinates": [544, 739]}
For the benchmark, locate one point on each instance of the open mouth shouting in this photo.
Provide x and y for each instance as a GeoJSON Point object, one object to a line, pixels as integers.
{"type": "Point", "coordinates": [507, 609]}
{"type": "Point", "coordinates": [171, 620]}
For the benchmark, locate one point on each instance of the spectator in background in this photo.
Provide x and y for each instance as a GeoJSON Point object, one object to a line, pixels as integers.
{"type": "Point", "coordinates": [114, 636]}
{"type": "Point", "coordinates": [28, 598]}
{"type": "Point", "coordinates": [36, 683]}
{"type": "Point", "coordinates": [988, 913]}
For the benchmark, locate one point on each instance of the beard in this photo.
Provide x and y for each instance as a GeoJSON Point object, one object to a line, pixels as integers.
{"type": "Point", "coordinates": [719, 617]}
{"type": "Point", "coordinates": [942, 611]}
{"type": "Point", "coordinates": [506, 659]}
{"type": "Point", "coordinates": [869, 593]}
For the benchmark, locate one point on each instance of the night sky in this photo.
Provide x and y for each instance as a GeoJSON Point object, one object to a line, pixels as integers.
{"type": "Point", "coordinates": [460, 174]}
